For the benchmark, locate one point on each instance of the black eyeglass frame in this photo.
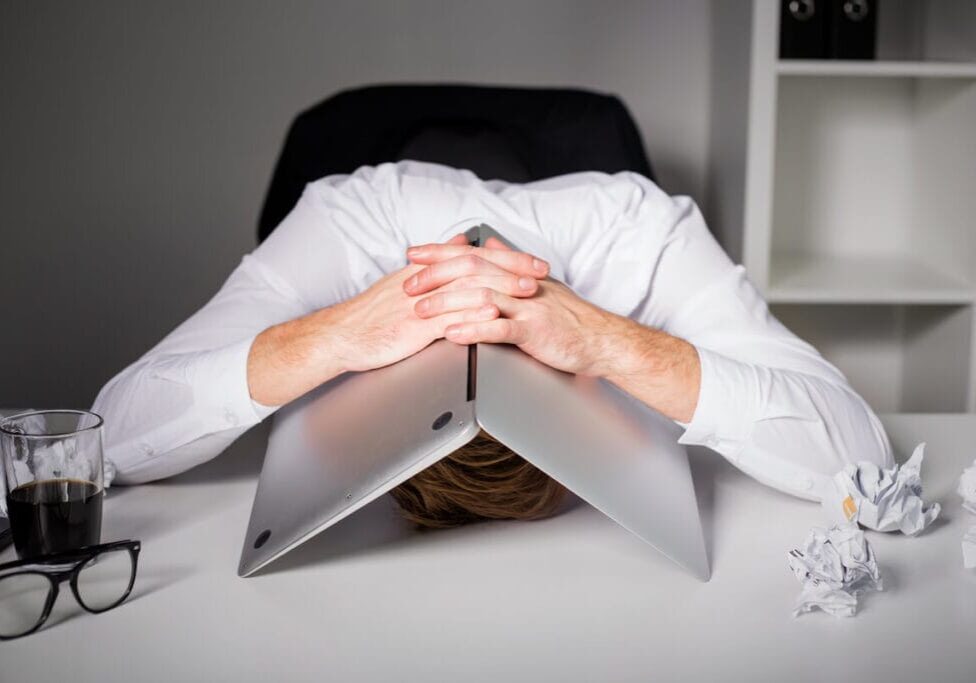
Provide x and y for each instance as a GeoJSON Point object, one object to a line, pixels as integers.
{"type": "Point", "coordinates": [78, 559]}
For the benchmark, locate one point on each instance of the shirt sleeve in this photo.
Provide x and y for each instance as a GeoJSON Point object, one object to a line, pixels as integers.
{"type": "Point", "coordinates": [192, 385]}
{"type": "Point", "coordinates": [768, 401]}
{"type": "Point", "coordinates": [187, 399]}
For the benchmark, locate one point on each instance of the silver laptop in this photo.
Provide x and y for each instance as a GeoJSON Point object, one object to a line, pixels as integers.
{"type": "Point", "coordinates": [359, 436]}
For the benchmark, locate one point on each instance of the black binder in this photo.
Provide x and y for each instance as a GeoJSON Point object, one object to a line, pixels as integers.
{"type": "Point", "coordinates": [853, 26]}
{"type": "Point", "coordinates": [803, 29]}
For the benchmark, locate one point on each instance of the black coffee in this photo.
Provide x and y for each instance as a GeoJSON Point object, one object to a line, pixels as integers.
{"type": "Point", "coordinates": [54, 515]}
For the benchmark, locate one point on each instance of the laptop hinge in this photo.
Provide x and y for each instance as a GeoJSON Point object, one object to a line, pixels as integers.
{"type": "Point", "coordinates": [472, 370]}
{"type": "Point", "coordinates": [473, 348]}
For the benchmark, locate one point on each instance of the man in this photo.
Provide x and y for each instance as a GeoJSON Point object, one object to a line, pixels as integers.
{"type": "Point", "coordinates": [618, 280]}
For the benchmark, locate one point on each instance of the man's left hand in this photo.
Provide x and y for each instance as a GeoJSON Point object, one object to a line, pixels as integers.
{"type": "Point", "coordinates": [555, 326]}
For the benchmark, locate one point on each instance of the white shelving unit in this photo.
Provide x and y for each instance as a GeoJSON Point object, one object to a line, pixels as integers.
{"type": "Point", "coordinates": [848, 190]}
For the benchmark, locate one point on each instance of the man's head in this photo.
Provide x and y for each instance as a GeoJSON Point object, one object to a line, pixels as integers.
{"type": "Point", "coordinates": [481, 480]}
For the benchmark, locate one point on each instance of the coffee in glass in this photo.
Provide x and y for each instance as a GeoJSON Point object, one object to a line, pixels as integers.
{"type": "Point", "coordinates": [52, 471]}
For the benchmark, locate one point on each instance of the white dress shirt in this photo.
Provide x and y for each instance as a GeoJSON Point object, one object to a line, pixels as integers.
{"type": "Point", "coordinates": [768, 402]}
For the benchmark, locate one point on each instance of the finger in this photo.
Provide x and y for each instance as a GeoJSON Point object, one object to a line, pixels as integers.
{"type": "Point", "coordinates": [520, 287]}
{"type": "Point", "coordinates": [470, 315]}
{"type": "Point", "coordinates": [459, 238]}
{"type": "Point", "coordinates": [495, 243]}
{"type": "Point", "coordinates": [466, 265]}
{"type": "Point", "coordinates": [518, 262]}
{"type": "Point", "coordinates": [460, 299]}
{"type": "Point", "coordinates": [498, 331]}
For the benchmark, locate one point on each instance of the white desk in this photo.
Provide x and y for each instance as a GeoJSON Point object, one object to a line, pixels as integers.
{"type": "Point", "coordinates": [574, 598]}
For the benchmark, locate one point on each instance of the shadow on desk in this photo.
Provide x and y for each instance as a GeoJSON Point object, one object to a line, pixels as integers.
{"type": "Point", "coordinates": [241, 461]}
{"type": "Point", "coordinates": [148, 581]}
{"type": "Point", "coordinates": [713, 474]}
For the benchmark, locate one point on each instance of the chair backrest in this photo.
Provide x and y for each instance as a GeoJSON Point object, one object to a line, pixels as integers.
{"type": "Point", "coordinates": [514, 134]}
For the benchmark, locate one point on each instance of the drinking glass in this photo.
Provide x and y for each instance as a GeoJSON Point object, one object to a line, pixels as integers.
{"type": "Point", "coordinates": [52, 470]}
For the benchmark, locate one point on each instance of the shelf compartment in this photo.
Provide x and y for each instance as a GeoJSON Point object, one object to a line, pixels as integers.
{"type": "Point", "coordinates": [882, 69]}
{"type": "Point", "coordinates": [825, 278]}
{"type": "Point", "coordinates": [874, 183]}
{"type": "Point", "coordinates": [899, 358]}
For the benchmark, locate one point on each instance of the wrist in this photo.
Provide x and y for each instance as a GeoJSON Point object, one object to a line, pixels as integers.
{"type": "Point", "coordinates": [330, 346]}
{"type": "Point", "coordinates": [621, 349]}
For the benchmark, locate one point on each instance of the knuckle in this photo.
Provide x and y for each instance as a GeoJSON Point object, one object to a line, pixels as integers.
{"type": "Point", "coordinates": [470, 262]}
{"type": "Point", "coordinates": [485, 295]}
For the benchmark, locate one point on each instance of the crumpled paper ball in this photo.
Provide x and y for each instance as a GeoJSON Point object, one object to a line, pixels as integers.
{"type": "Point", "coordinates": [834, 565]}
{"type": "Point", "coordinates": [882, 499]}
{"type": "Point", "coordinates": [967, 488]}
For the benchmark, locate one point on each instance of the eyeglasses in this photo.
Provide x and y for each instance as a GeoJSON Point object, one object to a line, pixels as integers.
{"type": "Point", "coordinates": [101, 578]}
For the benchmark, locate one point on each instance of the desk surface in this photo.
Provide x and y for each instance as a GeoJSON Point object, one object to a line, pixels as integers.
{"type": "Point", "coordinates": [564, 599]}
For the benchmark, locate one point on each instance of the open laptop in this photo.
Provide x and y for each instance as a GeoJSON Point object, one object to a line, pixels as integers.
{"type": "Point", "coordinates": [357, 437]}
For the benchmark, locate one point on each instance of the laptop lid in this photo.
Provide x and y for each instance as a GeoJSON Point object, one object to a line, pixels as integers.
{"type": "Point", "coordinates": [351, 440]}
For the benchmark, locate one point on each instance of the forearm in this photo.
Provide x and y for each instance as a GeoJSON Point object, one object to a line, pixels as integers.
{"type": "Point", "coordinates": [289, 359]}
{"type": "Point", "coordinates": [661, 370]}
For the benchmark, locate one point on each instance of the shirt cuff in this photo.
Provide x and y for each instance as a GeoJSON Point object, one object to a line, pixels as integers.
{"type": "Point", "coordinates": [261, 410]}
{"type": "Point", "coordinates": [219, 381]}
{"type": "Point", "coordinates": [727, 404]}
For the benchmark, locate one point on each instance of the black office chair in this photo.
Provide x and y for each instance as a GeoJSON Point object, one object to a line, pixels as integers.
{"type": "Point", "coordinates": [514, 134]}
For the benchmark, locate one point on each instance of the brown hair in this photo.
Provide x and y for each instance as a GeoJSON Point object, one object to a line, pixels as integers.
{"type": "Point", "coordinates": [481, 480]}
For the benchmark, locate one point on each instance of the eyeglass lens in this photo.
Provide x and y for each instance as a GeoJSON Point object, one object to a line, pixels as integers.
{"type": "Point", "coordinates": [104, 579]}
{"type": "Point", "coordinates": [22, 601]}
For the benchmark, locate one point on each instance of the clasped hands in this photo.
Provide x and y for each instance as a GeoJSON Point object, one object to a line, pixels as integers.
{"type": "Point", "coordinates": [472, 294]}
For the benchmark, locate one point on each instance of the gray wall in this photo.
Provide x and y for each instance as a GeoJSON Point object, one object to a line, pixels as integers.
{"type": "Point", "coordinates": [137, 139]}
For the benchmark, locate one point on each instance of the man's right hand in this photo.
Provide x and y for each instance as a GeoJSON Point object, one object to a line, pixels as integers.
{"type": "Point", "coordinates": [375, 328]}
{"type": "Point", "coordinates": [379, 326]}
